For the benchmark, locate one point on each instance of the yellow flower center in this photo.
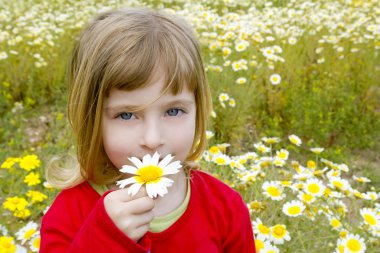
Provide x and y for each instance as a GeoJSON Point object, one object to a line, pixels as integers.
{"type": "Point", "coordinates": [220, 160]}
{"type": "Point", "coordinates": [28, 234]}
{"type": "Point", "coordinates": [313, 188]}
{"type": "Point", "coordinates": [149, 174]}
{"type": "Point", "coordinates": [279, 231]}
{"type": "Point", "coordinates": [341, 248]}
{"type": "Point", "coordinates": [36, 243]}
{"type": "Point", "coordinates": [307, 197]}
{"type": "Point", "coordinates": [263, 229]}
{"type": "Point", "coordinates": [273, 191]}
{"type": "Point", "coordinates": [282, 155]}
{"type": "Point", "coordinates": [338, 184]}
{"type": "Point", "coordinates": [335, 223]}
{"type": "Point", "coordinates": [259, 245]}
{"type": "Point", "coordinates": [294, 210]}
{"type": "Point", "coordinates": [353, 245]}
{"type": "Point", "coordinates": [370, 219]}
{"type": "Point", "coordinates": [311, 164]}
{"type": "Point", "coordinates": [214, 150]}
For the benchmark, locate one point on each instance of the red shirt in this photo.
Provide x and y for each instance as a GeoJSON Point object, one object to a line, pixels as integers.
{"type": "Point", "coordinates": [216, 220]}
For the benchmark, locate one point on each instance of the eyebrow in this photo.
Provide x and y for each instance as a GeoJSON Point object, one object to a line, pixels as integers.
{"type": "Point", "coordinates": [134, 108]}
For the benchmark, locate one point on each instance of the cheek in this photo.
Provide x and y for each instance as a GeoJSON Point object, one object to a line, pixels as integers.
{"type": "Point", "coordinates": [116, 146]}
{"type": "Point", "coordinates": [182, 139]}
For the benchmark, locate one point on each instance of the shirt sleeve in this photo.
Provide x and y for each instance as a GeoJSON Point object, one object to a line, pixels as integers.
{"type": "Point", "coordinates": [64, 230]}
{"type": "Point", "coordinates": [240, 238]}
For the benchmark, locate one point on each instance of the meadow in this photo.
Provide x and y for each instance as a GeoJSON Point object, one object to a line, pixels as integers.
{"type": "Point", "coordinates": [295, 126]}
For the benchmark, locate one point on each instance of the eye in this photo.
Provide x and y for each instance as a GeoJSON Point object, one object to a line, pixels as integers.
{"type": "Point", "coordinates": [174, 112]}
{"type": "Point", "coordinates": [125, 115]}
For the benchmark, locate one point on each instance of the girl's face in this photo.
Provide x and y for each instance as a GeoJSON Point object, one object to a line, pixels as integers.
{"type": "Point", "coordinates": [166, 126]}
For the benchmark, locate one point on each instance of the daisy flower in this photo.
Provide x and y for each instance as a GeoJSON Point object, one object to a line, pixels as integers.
{"type": "Point", "coordinates": [150, 172]}
{"type": "Point", "coordinates": [275, 79]}
{"type": "Point", "coordinates": [27, 232]}
{"type": "Point", "coordinates": [361, 179]}
{"type": "Point", "coordinates": [209, 134]}
{"type": "Point", "coordinates": [339, 183]}
{"type": "Point", "coordinates": [370, 217]}
{"type": "Point", "coordinates": [314, 187]}
{"type": "Point", "coordinates": [241, 46]}
{"type": "Point", "coordinates": [353, 243]}
{"type": "Point", "coordinates": [268, 248]}
{"type": "Point", "coordinates": [279, 234]}
{"type": "Point", "coordinates": [271, 140]}
{"type": "Point", "coordinates": [282, 154]}
{"type": "Point", "coordinates": [293, 208]}
{"type": "Point", "coordinates": [261, 147]}
{"type": "Point", "coordinates": [292, 40]}
{"type": "Point", "coordinates": [306, 198]}
{"type": "Point", "coordinates": [35, 243]}
{"type": "Point", "coordinates": [334, 222]}
{"type": "Point", "coordinates": [317, 151]}
{"type": "Point", "coordinates": [273, 190]}
{"type": "Point", "coordinates": [260, 229]}
{"type": "Point", "coordinates": [221, 159]}
{"type": "Point", "coordinates": [241, 80]}
{"type": "Point", "coordinates": [295, 140]}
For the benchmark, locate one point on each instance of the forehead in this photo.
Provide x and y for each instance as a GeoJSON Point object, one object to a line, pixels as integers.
{"type": "Point", "coordinates": [155, 92]}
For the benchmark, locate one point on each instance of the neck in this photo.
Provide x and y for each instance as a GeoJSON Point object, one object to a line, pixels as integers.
{"type": "Point", "coordinates": [175, 196]}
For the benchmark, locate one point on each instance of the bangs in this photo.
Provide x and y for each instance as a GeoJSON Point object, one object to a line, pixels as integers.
{"type": "Point", "coordinates": [134, 65]}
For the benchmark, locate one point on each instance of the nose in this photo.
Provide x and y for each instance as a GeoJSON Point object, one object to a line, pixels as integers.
{"type": "Point", "coordinates": [152, 136]}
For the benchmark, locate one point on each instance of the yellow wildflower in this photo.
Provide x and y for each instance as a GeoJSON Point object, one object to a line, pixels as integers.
{"type": "Point", "coordinates": [36, 196]}
{"type": "Point", "coordinates": [30, 162]}
{"type": "Point", "coordinates": [25, 213]}
{"type": "Point", "coordinates": [32, 179]}
{"type": "Point", "coordinates": [7, 244]}
{"type": "Point", "coordinates": [9, 162]}
{"type": "Point", "coordinates": [15, 203]}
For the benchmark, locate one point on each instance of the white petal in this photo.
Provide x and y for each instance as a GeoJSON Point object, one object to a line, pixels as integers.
{"type": "Point", "coordinates": [167, 182]}
{"type": "Point", "coordinates": [155, 158]}
{"type": "Point", "coordinates": [125, 182]}
{"type": "Point", "coordinates": [134, 189]}
{"type": "Point", "coordinates": [165, 161]}
{"type": "Point", "coordinates": [151, 189]}
{"type": "Point", "coordinates": [172, 168]}
{"type": "Point", "coordinates": [128, 169]}
{"type": "Point", "coordinates": [136, 162]}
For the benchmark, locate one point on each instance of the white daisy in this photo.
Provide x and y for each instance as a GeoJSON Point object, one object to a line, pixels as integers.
{"type": "Point", "coordinates": [260, 229]}
{"type": "Point", "coordinates": [27, 232]}
{"type": "Point", "coordinates": [370, 217]}
{"type": "Point", "coordinates": [295, 140]}
{"type": "Point", "coordinates": [279, 234]}
{"type": "Point", "coordinates": [293, 208]}
{"type": "Point", "coordinates": [273, 190]}
{"type": "Point", "coordinates": [150, 172]}
{"type": "Point", "coordinates": [353, 243]}
{"type": "Point", "coordinates": [35, 243]}
{"type": "Point", "coordinates": [268, 248]}
{"type": "Point", "coordinates": [317, 150]}
{"type": "Point", "coordinates": [314, 187]}
{"type": "Point", "coordinates": [275, 79]}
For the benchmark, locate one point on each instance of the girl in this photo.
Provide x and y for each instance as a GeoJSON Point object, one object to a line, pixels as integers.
{"type": "Point", "coordinates": [137, 86]}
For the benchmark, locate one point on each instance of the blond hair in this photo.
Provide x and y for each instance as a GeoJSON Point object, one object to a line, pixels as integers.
{"type": "Point", "coordinates": [121, 49]}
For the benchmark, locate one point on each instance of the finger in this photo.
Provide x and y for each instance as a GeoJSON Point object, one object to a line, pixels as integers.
{"type": "Point", "coordinates": [141, 205]}
{"type": "Point", "coordinates": [139, 232]}
{"type": "Point", "coordinates": [123, 195]}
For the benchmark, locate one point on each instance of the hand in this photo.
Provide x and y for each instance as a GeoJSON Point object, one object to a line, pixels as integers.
{"type": "Point", "coordinates": [131, 214]}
